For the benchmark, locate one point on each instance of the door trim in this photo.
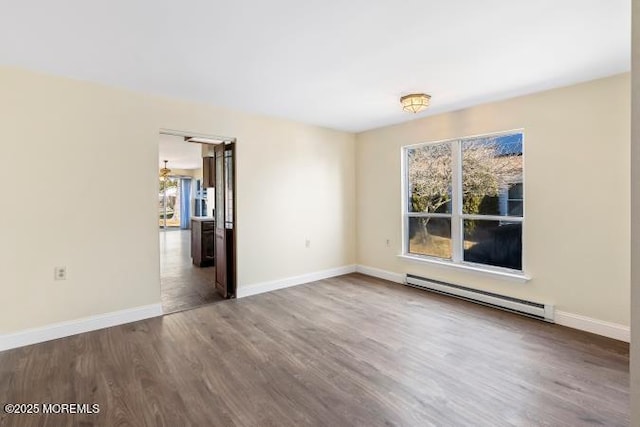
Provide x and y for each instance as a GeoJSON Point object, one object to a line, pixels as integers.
{"type": "Point", "coordinates": [216, 139]}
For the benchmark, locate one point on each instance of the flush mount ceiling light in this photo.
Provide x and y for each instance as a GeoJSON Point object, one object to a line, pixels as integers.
{"type": "Point", "coordinates": [164, 172]}
{"type": "Point", "coordinates": [415, 102]}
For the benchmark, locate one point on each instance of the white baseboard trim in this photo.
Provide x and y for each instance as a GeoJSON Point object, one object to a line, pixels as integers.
{"type": "Point", "coordinates": [595, 326]}
{"type": "Point", "coordinates": [73, 327]}
{"type": "Point", "coordinates": [380, 274]}
{"type": "Point", "coordinates": [575, 321]}
{"type": "Point", "coordinates": [259, 288]}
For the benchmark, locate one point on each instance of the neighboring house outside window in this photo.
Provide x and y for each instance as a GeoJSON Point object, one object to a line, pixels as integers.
{"type": "Point", "coordinates": [464, 200]}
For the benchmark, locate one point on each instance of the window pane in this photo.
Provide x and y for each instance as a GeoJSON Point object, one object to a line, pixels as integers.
{"type": "Point", "coordinates": [492, 175]}
{"type": "Point", "coordinates": [430, 236]}
{"type": "Point", "coordinates": [515, 202]}
{"type": "Point", "coordinates": [515, 208]}
{"type": "Point", "coordinates": [516, 191]}
{"type": "Point", "coordinates": [429, 178]}
{"type": "Point", "coordinates": [169, 202]}
{"type": "Point", "coordinates": [228, 182]}
{"type": "Point", "coordinates": [497, 243]}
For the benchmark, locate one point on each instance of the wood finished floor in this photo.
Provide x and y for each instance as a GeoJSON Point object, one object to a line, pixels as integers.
{"type": "Point", "coordinates": [347, 351]}
{"type": "Point", "coordinates": [183, 285]}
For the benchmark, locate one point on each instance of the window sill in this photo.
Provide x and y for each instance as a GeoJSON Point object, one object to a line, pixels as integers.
{"type": "Point", "coordinates": [514, 276]}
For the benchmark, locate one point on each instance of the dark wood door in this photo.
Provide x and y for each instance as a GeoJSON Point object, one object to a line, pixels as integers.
{"type": "Point", "coordinates": [225, 216]}
{"type": "Point", "coordinates": [230, 216]}
{"type": "Point", "coordinates": [220, 230]}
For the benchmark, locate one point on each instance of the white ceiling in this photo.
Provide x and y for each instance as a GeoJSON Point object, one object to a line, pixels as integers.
{"type": "Point", "coordinates": [340, 64]}
{"type": "Point", "coordinates": [180, 154]}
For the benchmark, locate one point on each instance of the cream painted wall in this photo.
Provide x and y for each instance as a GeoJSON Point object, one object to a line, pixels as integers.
{"type": "Point", "coordinates": [294, 182]}
{"type": "Point", "coordinates": [635, 215]}
{"type": "Point", "coordinates": [577, 205]}
{"type": "Point", "coordinates": [73, 138]}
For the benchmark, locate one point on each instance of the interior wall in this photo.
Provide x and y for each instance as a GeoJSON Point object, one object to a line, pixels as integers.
{"type": "Point", "coordinates": [74, 138]}
{"type": "Point", "coordinates": [635, 215]}
{"type": "Point", "coordinates": [576, 229]}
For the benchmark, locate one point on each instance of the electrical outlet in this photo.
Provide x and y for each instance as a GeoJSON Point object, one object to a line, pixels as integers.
{"type": "Point", "coordinates": [60, 273]}
{"type": "Point", "coordinates": [307, 243]}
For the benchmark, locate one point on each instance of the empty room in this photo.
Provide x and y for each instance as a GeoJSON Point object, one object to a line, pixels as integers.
{"type": "Point", "coordinates": [364, 213]}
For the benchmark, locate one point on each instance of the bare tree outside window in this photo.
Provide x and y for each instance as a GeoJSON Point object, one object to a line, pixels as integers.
{"type": "Point", "coordinates": [430, 178]}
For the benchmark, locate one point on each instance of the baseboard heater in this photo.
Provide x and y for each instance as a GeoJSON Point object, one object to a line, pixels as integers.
{"type": "Point", "coordinates": [527, 308]}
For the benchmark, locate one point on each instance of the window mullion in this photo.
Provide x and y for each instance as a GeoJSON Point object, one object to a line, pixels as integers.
{"type": "Point", "coordinates": [505, 218]}
{"type": "Point", "coordinates": [428, 215]}
{"type": "Point", "coordinates": [456, 205]}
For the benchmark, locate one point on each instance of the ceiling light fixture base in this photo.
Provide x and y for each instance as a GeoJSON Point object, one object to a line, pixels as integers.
{"type": "Point", "coordinates": [415, 102]}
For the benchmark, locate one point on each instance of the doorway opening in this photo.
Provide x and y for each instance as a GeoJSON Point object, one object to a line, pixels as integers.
{"type": "Point", "coordinates": [197, 241]}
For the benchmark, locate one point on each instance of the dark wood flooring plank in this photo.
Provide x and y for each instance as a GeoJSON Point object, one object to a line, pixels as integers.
{"type": "Point", "coordinates": [347, 351]}
{"type": "Point", "coordinates": [183, 285]}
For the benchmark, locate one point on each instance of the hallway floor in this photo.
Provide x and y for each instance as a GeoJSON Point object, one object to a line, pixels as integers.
{"type": "Point", "coordinates": [184, 286]}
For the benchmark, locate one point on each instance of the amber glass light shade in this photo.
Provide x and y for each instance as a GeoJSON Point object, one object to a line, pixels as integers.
{"type": "Point", "coordinates": [415, 102]}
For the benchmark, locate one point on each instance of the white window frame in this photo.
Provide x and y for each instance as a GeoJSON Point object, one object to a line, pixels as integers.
{"type": "Point", "coordinates": [457, 216]}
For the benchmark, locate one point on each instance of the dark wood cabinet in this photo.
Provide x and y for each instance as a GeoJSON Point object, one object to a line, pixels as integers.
{"type": "Point", "coordinates": [208, 172]}
{"type": "Point", "coordinates": [203, 241]}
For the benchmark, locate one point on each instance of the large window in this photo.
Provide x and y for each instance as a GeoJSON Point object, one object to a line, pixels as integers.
{"type": "Point", "coordinates": [464, 200]}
